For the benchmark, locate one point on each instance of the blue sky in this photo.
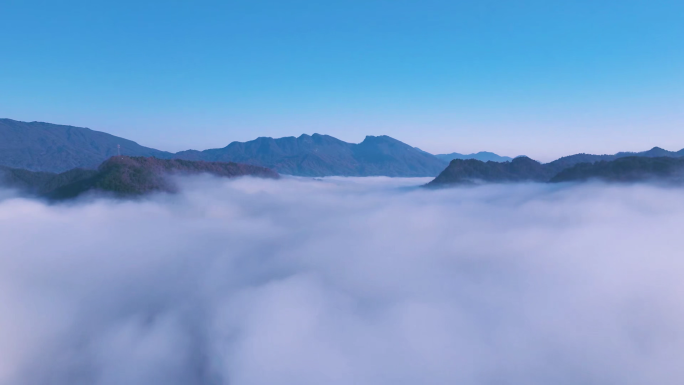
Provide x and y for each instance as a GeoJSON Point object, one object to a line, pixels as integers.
{"type": "Point", "coordinates": [542, 78]}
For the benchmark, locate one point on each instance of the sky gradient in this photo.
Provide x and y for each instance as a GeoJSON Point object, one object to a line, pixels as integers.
{"type": "Point", "coordinates": [539, 78]}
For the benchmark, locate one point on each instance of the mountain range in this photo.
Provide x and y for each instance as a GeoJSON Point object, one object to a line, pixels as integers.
{"type": "Point", "coordinates": [323, 155]}
{"type": "Point", "coordinates": [56, 148]}
{"type": "Point", "coordinates": [467, 171]}
{"type": "Point", "coordinates": [45, 147]}
{"type": "Point", "coordinates": [523, 169]}
{"type": "Point", "coordinates": [572, 160]}
{"type": "Point", "coordinates": [626, 169]}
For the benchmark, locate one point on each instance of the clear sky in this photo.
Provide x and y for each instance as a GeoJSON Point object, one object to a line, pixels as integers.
{"type": "Point", "coordinates": [541, 78]}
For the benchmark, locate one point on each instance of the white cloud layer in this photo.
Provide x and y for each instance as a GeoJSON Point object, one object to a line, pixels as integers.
{"type": "Point", "coordinates": [345, 281]}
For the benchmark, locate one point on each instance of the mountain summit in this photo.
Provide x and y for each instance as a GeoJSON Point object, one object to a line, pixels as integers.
{"type": "Point", "coordinates": [323, 155]}
{"type": "Point", "coordinates": [482, 155]}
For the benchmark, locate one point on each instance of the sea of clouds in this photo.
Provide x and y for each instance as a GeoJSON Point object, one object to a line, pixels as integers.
{"type": "Point", "coordinates": [345, 281]}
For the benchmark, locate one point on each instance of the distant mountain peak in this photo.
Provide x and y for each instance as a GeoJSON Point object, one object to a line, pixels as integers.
{"type": "Point", "coordinates": [383, 140]}
{"type": "Point", "coordinates": [482, 155]}
{"type": "Point", "coordinates": [324, 155]}
{"type": "Point", "coordinates": [378, 137]}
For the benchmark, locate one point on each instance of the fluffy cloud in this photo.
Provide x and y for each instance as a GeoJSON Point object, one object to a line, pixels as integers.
{"type": "Point", "coordinates": [345, 281]}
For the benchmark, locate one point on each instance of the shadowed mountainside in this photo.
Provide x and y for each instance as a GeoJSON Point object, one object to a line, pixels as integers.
{"type": "Point", "coordinates": [571, 160]}
{"type": "Point", "coordinates": [626, 169]}
{"type": "Point", "coordinates": [39, 182]}
{"type": "Point", "coordinates": [523, 169]}
{"type": "Point", "coordinates": [49, 147]}
{"type": "Point", "coordinates": [467, 171]}
{"type": "Point", "coordinates": [123, 176]}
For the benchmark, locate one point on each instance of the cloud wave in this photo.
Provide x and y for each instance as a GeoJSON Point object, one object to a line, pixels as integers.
{"type": "Point", "coordinates": [344, 280]}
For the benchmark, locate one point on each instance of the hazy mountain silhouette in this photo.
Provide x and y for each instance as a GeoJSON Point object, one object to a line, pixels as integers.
{"type": "Point", "coordinates": [523, 169]}
{"type": "Point", "coordinates": [626, 169]}
{"type": "Point", "coordinates": [568, 161]}
{"type": "Point", "coordinates": [323, 155]}
{"type": "Point", "coordinates": [482, 155]}
{"type": "Point", "coordinates": [122, 176]}
{"type": "Point", "coordinates": [40, 146]}
{"type": "Point", "coordinates": [49, 147]}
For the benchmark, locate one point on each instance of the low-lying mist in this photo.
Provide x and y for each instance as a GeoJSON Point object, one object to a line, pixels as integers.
{"type": "Point", "coordinates": [345, 281]}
